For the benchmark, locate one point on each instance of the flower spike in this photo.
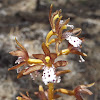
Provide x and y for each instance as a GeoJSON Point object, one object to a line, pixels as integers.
{"type": "Point", "coordinates": [48, 63]}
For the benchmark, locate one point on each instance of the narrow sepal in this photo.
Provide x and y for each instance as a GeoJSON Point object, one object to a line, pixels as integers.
{"type": "Point", "coordinates": [22, 47]}
{"type": "Point", "coordinates": [50, 12]}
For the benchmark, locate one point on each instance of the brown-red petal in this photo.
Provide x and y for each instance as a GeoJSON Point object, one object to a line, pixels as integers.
{"type": "Point", "coordinates": [20, 74]}
{"type": "Point", "coordinates": [58, 73]}
{"type": "Point", "coordinates": [76, 30]}
{"type": "Point", "coordinates": [78, 52]}
{"type": "Point", "coordinates": [39, 56]}
{"type": "Point", "coordinates": [45, 49]}
{"type": "Point", "coordinates": [53, 55]}
{"type": "Point", "coordinates": [32, 69]}
{"type": "Point", "coordinates": [86, 91]}
{"type": "Point", "coordinates": [22, 47]}
{"type": "Point", "coordinates": [18, 53]}
{"type": "Point", "coordinates": [60, 63]}
{"type": "Point", "coordinates": [50, 12]}
{"type": "Point", "coordinates": [67, 21]}
{"type": "Point", "coordinates": [41, 95]}
{"type": "Point", "coordinates": [78, 96]}
{"type": "Point", "coordinates": [57, 24]}
{"type": "Point", "coordinates": [17, 66]}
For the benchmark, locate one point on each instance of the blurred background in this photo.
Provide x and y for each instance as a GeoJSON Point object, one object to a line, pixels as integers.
{"type": "Point", "coordinates": [30, 18]}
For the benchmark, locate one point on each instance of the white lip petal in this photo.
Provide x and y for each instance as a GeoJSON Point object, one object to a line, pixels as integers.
{"type": "Point", "coordinates": [75, 41]}
{"type": "Point", "coordinates": [49, 75]}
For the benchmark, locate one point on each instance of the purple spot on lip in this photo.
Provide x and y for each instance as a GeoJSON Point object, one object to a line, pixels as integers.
{"type": "Point", "coordinates": [74, 41]}
{"type": "Point", "coordinates": [48, 75]}
{"type": "Point", "coordinates": [53, 80]}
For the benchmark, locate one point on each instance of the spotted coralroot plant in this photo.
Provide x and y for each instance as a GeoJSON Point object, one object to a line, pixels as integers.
{"type": "Point", "coordinates": [46, 62]}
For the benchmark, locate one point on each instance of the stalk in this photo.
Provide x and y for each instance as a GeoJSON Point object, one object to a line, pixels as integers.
{"type": "Point", "coordinates": [50, 91]}
{"type": "Point", "coordinates": [57, 47]}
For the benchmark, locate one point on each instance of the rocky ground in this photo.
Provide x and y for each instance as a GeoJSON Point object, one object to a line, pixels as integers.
{"type": "Point", "coordinates": [32, 25]}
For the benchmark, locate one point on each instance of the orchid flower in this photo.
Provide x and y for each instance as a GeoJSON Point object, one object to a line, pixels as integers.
{"type": "Point", "coordinates": [77, 92]}
{"type": "Point", "coordinates": [23, 61]}
{"type": "Point", "coordinates": [49, 67]}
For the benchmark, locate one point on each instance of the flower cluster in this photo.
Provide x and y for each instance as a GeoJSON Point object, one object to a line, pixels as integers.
{"type": "Point", "coordinates": [46, 62]}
